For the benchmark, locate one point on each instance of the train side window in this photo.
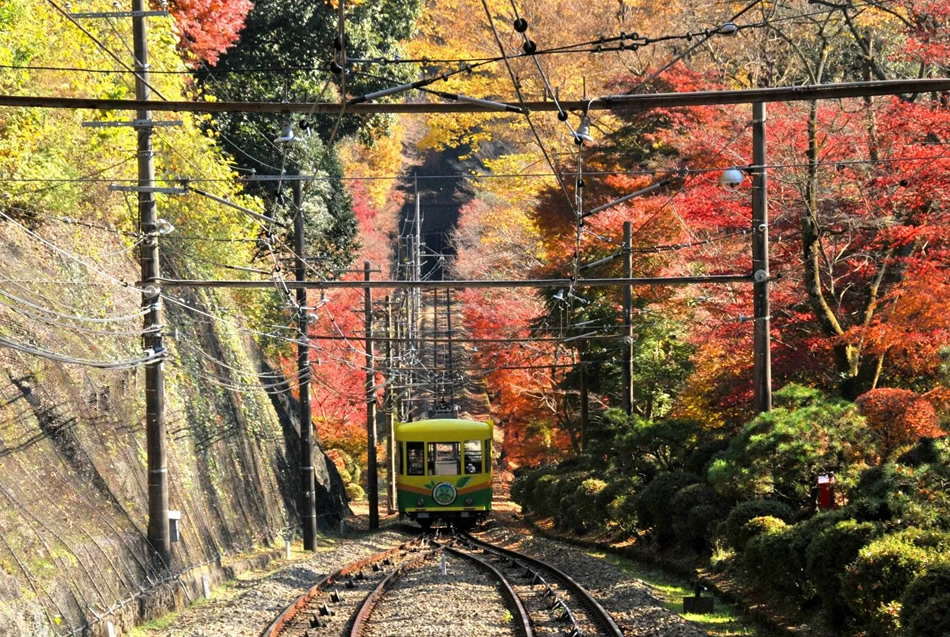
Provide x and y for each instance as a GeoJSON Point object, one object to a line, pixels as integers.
{"type": "Point", "coordinates": [399, 452]}
{"type": "Point", "coordinates": [473, 456]}
{"type": "Point", "coordinates": [444, 458]}
{"type": "Point", "coordinates": [415, 461]}
{"type": "Point", "coordinates": [487, 455]}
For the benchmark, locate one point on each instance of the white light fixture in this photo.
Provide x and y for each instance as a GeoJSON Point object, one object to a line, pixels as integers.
{"type": "Point", "coordinates": [731, 179]}
{"type": "Point", "coordinates": [287, 135]}
{"type": "Point", "coordinates": [582, 134]}
{"type": "Point", "coordinates": [729, 28]}
{"type": "Point", "coordinates": [559, 296]}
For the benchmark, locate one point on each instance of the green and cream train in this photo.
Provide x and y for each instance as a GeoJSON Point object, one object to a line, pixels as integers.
{"type": "Point", "coordinates": [444, 472]}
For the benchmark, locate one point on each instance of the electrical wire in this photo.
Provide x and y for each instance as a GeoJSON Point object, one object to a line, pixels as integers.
{"type": "Point", "coordinates": [120, 364]}
{"type": "Point", "coordinates": [521, 100]}
{"type": "Point", "coordinates": [69, 255]}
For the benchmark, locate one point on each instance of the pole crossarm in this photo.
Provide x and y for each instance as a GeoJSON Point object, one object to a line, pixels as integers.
{"type": "Point", "coordinates": [609, 102]}
{"type": "Point", "coordinates": [462, 284]}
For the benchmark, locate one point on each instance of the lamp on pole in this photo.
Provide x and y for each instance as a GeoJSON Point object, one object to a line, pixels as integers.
{"type": "Point", "coordinates": [308, 509]}
{"type": "Point", "coordinates": [731, 179]}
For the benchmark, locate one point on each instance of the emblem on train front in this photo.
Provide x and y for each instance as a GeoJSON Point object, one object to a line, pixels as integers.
{"type": "Point", "coordinates": [444, 493]}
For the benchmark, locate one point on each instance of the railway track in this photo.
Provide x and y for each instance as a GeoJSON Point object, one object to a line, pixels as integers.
{"type": "Point", "coordinates": [520, 622]}
{"type": "Point", "coordinates": [564, 598]}
{"type": "Point", "coordinates": [319, 606]}
{"type": "Point", "coordinates": [402, 591]}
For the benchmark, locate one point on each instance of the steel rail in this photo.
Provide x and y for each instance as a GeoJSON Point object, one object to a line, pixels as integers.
{"type": "Point", "coordinates": [635, 102]}
{"type": "Point", "coordinates": [507, 590]}
{"type": "Point", "coordinates": [289, 613]}
{"type": "Point", "coordinates": [369, 604]}
{"type": "Point", "coordinates": [598, 613]}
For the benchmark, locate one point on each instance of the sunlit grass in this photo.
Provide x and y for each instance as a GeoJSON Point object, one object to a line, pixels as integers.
{"type": "Point", "coordinates": [725, 621]}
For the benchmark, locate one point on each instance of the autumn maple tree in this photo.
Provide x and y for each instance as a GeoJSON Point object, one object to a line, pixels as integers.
{"type": "Point", "coordinates": [209, 27]}
{"type": "Point", "coordinates": [899, 417]}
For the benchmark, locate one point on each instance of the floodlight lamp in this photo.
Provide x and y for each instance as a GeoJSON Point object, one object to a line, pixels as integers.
{"type": "Point", "coordinates": [559, 296]}
{"type": "Point", "coordinates": [731, 179]}
{"type": "Point", "coordinates": [729, 28]}
{"type": "Point", "coordinates": [582, 134]}
{"type": "Point", "coordinates": [287, 135]}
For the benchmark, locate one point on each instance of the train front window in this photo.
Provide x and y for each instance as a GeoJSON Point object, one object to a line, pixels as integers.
{"type": "Point", "coordinates": [443, 458]}
{"type": "Point", "coordinates": [415, 461]}
{"type": "Point", "coordinates": [473, 456]}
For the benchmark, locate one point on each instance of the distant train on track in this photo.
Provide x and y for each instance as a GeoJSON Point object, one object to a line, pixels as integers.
{"type": "Point", "coordinates": [444, 472]}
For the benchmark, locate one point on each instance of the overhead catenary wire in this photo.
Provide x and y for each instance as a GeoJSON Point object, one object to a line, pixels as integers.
{"type": "Point", "coordinates": [833, 163]}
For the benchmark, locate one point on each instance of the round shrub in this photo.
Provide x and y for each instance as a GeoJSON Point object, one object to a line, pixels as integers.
{"type": "Point", "coordinates": [925, 606]}
{"type": "Point", "coordinates": [758, 526]}
{"type": "Point", "coordinates": [745, 511]}
{"type": "Point", "coordinates": [769, 557]}
{"type": "Point", "coordinates": [354, 492]}
{"type": "Point", "coordinates": [685, 500]}
{"type": "Point", "coordinates": [541, 500]}
{"type": "Point", "coordinates": [877, 579]}
{"type": "Point", "coordinates": [564, 502]}
{"type": "Point", "coordinates": [589, 514]}
{"type": "Point", "coordinates": [623, 511]}
{"type": "Point", "coordinates": [524, 486]}
{"type": "Point", "coordinates": [519, 487]}
{"type": "Point", "coordinates": [653, 504]}
{"type": "Point", "coordinates": [616, 487]}
{"type": "Point", "coordinates": [826, 558]}
{"type": "Point", "coordinates": [699, 522]}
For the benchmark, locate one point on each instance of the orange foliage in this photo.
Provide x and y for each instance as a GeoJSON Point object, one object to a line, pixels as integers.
{"type": "Point", "coordinates": [899, 416]}
{"type": "Point", "coordinates": [209, 27]}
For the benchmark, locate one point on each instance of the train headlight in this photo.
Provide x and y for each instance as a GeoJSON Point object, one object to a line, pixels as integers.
{"type": "Point", "coordinates": [469, 502]}
{"type": "Point", "coordinates": [420, 502]}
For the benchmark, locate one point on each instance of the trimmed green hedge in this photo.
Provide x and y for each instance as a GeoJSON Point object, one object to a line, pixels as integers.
{"type": "Point", "coordinates": [873, 585]}
{"type": "Point", "coordinates": [827, 556]}
{"type": "Point", "coordinates": [925, 605]}
{"type": "Point", "coordinates": [745, 511]}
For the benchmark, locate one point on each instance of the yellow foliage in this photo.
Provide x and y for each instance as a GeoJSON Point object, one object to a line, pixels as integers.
{"type": "Point", "coordinates": [383, 158]}
{"type": "Point", "coordinates": [47, 144]}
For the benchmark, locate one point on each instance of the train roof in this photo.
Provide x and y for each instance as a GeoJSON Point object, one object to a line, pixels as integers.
{"type": "Point", "coordinates": [432, 430]}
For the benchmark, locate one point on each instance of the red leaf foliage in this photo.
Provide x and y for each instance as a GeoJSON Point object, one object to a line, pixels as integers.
{"type": "Point", "coordinates": [899, 416]}
{"type": "Point", "coordinates": [209, 27]}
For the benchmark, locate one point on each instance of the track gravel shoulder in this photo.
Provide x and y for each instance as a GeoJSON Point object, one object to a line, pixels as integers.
{"type": "Point", "coordinates": [638, 612]}
{"type": "Point", "coordinates": [462, 603]}
{"type": "Point", "coordinates": [246, 606]}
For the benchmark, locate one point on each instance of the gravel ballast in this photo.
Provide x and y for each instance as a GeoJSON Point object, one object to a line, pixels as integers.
{"type": "Point", "coordinates": [637, 610]}
{"type": "Point", "coordinates": [464, 602]}
{"type": "Point", "coordinates": [425, 603]}
{"type": "Point", "coordinates": [247, 606]}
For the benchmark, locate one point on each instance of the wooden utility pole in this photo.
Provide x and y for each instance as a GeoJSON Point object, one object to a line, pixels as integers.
{"type": "Point", "coordinates": [585, 393]}
{"type": "Point", "coordinates": [372, 485]}
{"type": "Point", "coordinates": [628, 319]}
{"type": "Point", "coordinates": [308, 510]}
{"type": "Point", "coordinates": [761, 321]}
{"type": "Point", "coordinates": [448, 314]}
{"type": "Point", "coordinates": [390, 401]}
{"type": "Point", "coordinates": [157, 456]}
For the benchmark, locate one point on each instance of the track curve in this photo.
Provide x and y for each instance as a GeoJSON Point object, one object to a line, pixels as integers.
{"type": "Point", "coordinates": [595, 611]}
